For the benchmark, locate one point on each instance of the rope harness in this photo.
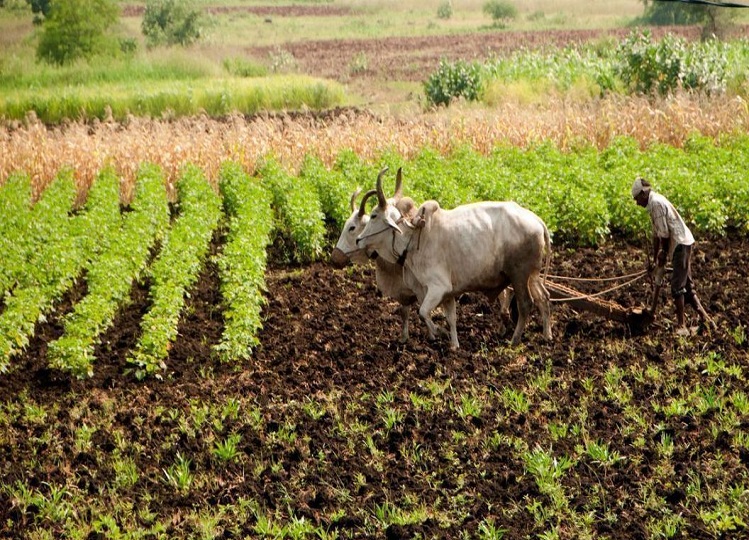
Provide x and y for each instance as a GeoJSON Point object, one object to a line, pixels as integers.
{"type": "Point", "coordinates": [631, 278]}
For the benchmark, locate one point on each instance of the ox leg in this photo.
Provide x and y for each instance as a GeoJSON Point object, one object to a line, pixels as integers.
{"type": "Point", "coordinates": [430, 302]}
{"type": "Point", "coordinates": [541, 298]}
{"type": "Point", "coordinates": [505, 299]}
{"type": "Point", "coordinates": [404, 311]}
{"type": "Point", "coordinates": [525, 304]}
{"type": "Point", "coordinates": [451, 315]}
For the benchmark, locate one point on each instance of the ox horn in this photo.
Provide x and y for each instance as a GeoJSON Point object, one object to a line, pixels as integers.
{"type": "Point", "coordinates": [398, 185]}
{"type": "Point", "coordinates": [353, 198]}
{"type": "Point", "coordinates": [362, 206]}
{"type": "Point", "coordinates": [380, 193]}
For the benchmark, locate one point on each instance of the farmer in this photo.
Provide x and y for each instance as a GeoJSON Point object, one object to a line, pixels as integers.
{"type": "Point", "coordinates": [671, 238]}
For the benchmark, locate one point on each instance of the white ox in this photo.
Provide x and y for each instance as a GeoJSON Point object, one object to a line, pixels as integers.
{"type": "Point", "coordinates": [475, 247]}
{"type": "Point", "coordinates": [388, 275]}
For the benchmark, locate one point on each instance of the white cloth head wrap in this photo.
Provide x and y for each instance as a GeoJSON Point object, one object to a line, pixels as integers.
{"type": "Point", "coordinates": [637, 187]}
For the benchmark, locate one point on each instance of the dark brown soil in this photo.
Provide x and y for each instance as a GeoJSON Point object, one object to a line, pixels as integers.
{"type": "Point", "coordinates": [329, 336]}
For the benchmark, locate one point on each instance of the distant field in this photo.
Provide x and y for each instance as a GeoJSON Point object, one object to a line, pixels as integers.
{"type": "Point", "coordinates": [382, 50]}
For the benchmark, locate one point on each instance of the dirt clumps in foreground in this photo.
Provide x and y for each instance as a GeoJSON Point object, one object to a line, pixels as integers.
{"type": "Point", "coordinates": [313, 406]}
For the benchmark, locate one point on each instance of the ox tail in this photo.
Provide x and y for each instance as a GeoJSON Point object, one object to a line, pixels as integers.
{"type": "Point", "coordinates": [547, 247]}
{"type": "Point", "coordinates": [538, 290]}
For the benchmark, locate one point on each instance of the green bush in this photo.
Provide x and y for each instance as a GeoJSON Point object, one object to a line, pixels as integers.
{"type": "Point", "coordinates": [451, 81]}
{"type": "Point", "coordinates": [500, 11]}
{"type": "Point", "coordinates": [76, 29]}
{"type": "Point", "coordinates": [40, 9]}
{"type": "Point", "coordinates": [171, 22]}
{"type": "Point", "coordinates": [445, 9]}
{"type": "Point", "coordinates": [647, 66]}
{"type": "Point", "coordinates": [301, 220]}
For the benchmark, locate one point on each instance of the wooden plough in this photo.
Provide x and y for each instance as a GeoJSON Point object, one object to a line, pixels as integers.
{"type": "Point", "coordinates": [637, 319]}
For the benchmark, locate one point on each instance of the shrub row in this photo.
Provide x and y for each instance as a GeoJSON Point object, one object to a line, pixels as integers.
{"type": "Point", "coordinates": [637, 64]}
{"type": "Point", "coordinates": [582, 195]}
{"type": "Point", "coordinates": [111, 275]}
{"type": "Point", "coordinates": [242, 263]}
{"type": "Point", "coordinates": [176, 269]}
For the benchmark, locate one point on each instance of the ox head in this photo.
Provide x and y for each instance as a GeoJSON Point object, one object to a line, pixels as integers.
{"type": "Point", "coordinates": [385, 218]}
{"type": "Point", "coordinates": [346, 249]}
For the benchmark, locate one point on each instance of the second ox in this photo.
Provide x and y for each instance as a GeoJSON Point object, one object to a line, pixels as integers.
{"type": "Point", "coordinates": [388, 275]}
{"type": "Point", "coordinates": [484, 247]}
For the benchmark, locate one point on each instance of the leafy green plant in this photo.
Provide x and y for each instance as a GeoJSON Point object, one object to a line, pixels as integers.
{"type": "Point", "coordinates": [334, 188]}
{"type": "Point", "coordinates": [299, 212]}
{"type": "Point", "coordinates": [242, 263]}
{"type": "Point", "coordinates": [50, 259]}
{"type": "Point", "coordinates": [176, 269]}
{"type": "Point", "coordinates": [15, 207]}
{"type": "Point", "coordinates": [171, 22]}
{"type": "Point", "coordinates": [500, 11]}
{"type": "Point", "coordinates": [662, 67]}
{"type": "Point", "coordinates": [454, 80]}
{"type": "Point", "coordinates": [179, 475]}
{"type": "Point", "coordinates": [228, 449]}
{"type": "Point", "coordinates": [445, 9]}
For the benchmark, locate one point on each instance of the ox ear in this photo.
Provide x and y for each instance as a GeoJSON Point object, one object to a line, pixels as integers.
{"type": "Point", "coordinates": [391, 223]}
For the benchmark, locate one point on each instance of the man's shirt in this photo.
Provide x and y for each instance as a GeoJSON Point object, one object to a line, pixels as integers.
{"type": "Point", "coordinates": [667, 222]}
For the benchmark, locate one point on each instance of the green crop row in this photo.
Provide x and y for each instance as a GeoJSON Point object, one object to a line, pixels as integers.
{"type": "Point", "coordinates": [15, 207]}
{"type": "Point", "coordinates": [582, 195]}
{"type": "Point", "coordinates": [242, 263]}
{"type": "Point", "coordinates": [57, 249]}
{"type": "Point", "coordinates": [176, 269]}
{"type": "Point", "coordinates": [110, 277]}
{"type": "Point", "coordinates": [299, 214]}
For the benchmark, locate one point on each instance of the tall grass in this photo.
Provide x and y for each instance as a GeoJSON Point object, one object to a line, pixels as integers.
{"type": "Point", "coordinates": [169, 97]}
{"type": "Point", "coordinates": [20, 72]}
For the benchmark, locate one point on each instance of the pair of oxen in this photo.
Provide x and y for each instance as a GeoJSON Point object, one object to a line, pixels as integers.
{"type": "Point", "coordinates": [430, 255]}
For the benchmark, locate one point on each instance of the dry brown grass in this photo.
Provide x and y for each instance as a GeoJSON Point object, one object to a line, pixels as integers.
{"type": "Point", "coordinates": [41, 151]}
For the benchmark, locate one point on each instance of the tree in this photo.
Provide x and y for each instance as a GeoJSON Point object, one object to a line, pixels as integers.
{"type": "Point", "coordinates": [171, 22]}
{"type": "Point", "coordinates": [715, 20]}
{"type": "Point", "coordinates": [75, 29]}
{"type": "Point", "coordinates": [40, 9]}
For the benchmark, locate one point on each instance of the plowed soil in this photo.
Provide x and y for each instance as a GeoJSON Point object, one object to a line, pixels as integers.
{"type": "Point", "coordinates": [329, 337]}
